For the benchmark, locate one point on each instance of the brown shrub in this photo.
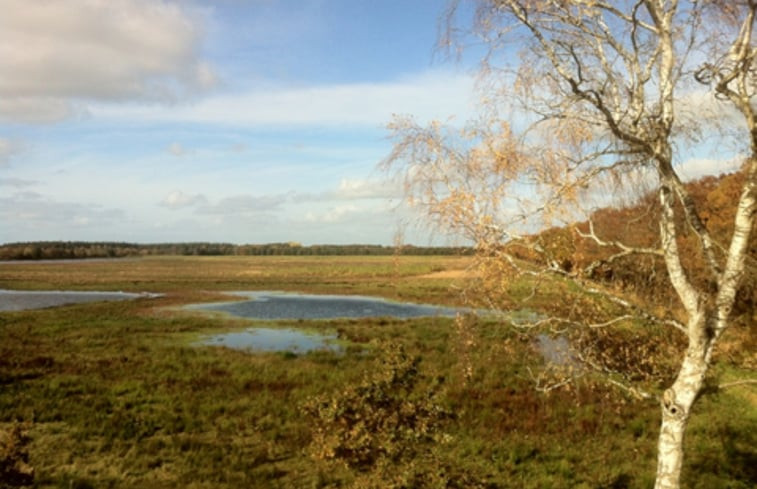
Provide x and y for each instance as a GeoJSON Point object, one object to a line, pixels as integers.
{"type": "Point", "coordinates": [15, 470]}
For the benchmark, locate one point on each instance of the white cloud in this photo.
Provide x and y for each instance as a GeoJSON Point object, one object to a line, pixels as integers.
{"type": "Point", "coordinates": [435, 95]}
{"type": "Point", "coordinates": [238, 148]}
{"type": "Point", "coordinates": [698, 167]}
{"type": "Point", "coordinates": [16, 182]}
{"type": "Point", "coordinates": [366, 189]}
{"type": "Point", "coordinates": [178, 200]}
{"type": "Point", "coordinates": [37, 110]}
{"type": "Point", "coordinates": [7, 148]}
{"type": "Point", "coordinates": [335, 214]}
{"type": "Point", "coordinates": [33, 209]}
{"type": "Point", "coordinates": [176, 149]}
{"type": "Point", "coordinates": [700, 109]}
{"type": "Point", "coordinates": [53, 55]}
{"type": "Point", "coordinates": [82, 221]}
{"type": "Point", "coordinates": [355, 189]}
{"type": "Point", "coordinates": [244, 204]}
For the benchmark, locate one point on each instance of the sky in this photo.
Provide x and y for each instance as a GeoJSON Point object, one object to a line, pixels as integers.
{"type": "Point", "coordinates": [227, 121]}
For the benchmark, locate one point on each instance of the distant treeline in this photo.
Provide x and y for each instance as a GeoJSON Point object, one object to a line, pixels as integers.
{"type": "Point", "coordinates": [57, 250]}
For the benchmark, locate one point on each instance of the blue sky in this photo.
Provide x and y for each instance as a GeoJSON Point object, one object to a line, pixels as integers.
{"type": "Point", "coordinates": [227, 121]}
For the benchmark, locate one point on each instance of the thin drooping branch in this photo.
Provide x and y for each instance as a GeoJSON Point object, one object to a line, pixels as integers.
{"type": "Point", "coordinates": [625, 249]}
{"type": "Point", "coordinates": [639, 312]}
{"type": "Point", "coordinates": [736, 383]}
{"type": "Point", "coordinates": [632, 311]}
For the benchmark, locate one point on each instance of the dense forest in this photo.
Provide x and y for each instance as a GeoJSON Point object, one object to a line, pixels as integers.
{"type": "Point", "coordinates": [56, 250]}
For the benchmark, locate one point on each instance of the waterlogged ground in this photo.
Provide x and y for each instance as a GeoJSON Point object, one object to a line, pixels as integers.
{"type": "Point", "coordinates": [276, 339]}
{"type": "Point", "coordinates": [113, 396]}
{"type": "Point", "coordinates": [22, 300]}
{"type": "Point", "coordinates": [272, 305]}
{"type": "Point", "coordinates": [278, 305]}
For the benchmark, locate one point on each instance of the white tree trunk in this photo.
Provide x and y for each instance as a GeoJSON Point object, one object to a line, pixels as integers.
{"type": "Point", "coordinates": [679, 398]}
{"type": "Point", "coordinates": [676, 409]}
{"type": "Point", "coordinates": [704, 329]}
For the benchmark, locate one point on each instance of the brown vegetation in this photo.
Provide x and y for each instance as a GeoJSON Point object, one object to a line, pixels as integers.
{"type": "Point", "coordinates": [645, 277]}
{"type": "Point", "coordinates": [15, 470]}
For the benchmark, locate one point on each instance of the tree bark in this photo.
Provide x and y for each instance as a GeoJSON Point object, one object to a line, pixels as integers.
{"type": "Point", "coordinates": [676, 409]}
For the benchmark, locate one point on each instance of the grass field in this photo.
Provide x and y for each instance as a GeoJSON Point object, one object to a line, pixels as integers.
{"type": "Point", "coordinates": [114, 394]}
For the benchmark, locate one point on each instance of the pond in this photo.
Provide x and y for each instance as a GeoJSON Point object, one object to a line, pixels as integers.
{"type": "Point", "coordinates": [22, 300]}
{"type": "Point", "coordinates": [273, 339]}
{"type": "Point", "coordinates": [270, 305]}
{"type": "Point", "coordinates": [556, 350]}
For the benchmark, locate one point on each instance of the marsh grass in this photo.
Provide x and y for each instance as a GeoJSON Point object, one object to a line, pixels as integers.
{"type": "Point", "coordinates": [115, 396]}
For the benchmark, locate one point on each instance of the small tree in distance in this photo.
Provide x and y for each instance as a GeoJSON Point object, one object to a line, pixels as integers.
{"type": "Point", "coordinates": [615, 93]}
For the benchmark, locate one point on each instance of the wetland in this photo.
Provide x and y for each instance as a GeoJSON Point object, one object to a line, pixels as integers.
{"type": "Point", "coordinates": [278, 306]}
{"type": "Point", "coordinates": [21, 300]}
{"type": "Point", "coordinates": [112, 393]}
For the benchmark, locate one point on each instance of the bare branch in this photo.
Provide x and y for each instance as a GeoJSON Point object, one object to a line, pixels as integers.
{"type": "Point", "coordinates": [626, 250]}
{"type": "Point", "coordinates": [737, 382]}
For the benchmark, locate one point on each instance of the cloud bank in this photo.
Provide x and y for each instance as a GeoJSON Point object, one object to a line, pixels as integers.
{"type": "Point", "coordinates": [699, 167]}
{"type": "Point", "coordinates": [432, 95]}
{"type": "Point", "coordinates": [179, 200]}
{"type": "Point", "coordinates": [7, 149]}
{"type": "Point", "coordinates": [53, 55]}
{"type": "Point", "coordinates": [30, 209]}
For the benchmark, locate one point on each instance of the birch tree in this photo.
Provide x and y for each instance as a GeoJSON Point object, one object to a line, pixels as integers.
{"type": "Point", "coordinates": [603, 91]}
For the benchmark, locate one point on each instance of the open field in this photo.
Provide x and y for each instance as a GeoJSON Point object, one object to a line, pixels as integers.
{"type": "Point", "coordinates": [114, 395]}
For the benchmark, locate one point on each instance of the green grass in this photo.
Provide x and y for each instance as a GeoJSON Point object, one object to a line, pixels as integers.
{"type": "Point", "coordinates": [116, 396]}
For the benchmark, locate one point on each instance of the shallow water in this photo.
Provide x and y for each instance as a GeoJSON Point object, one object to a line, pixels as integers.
{"type": "Point", "coordinates": [21, 300]}
{"type": "Point", "coordinates": [269, 305]}
{"type": "Point", "coordinates": [271, 339]}
{"type": "Point", "coordinates": [556, 350]}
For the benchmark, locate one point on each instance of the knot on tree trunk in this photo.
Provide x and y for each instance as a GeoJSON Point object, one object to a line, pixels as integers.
{"type": "Point", "coordinates": [669, 406]}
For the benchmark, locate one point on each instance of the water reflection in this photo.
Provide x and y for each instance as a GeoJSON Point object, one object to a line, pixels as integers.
{"type": "Point", "coordinates": [22, 300]}
{"type": "Point", "coordinates": [270, 339]}
{"type": "Point", "coordinates": [556, 350]}
{"type": "Point", "coordinates": [269, 305]}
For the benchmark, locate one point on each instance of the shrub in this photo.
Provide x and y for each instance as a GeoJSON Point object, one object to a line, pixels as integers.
{"type": "Point", "coordinates": [14, 457]}
{"type": "Point", "coordinates": [384, 429]}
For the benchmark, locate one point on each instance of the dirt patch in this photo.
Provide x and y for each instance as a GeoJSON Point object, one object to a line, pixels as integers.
{"type": "Point", "coordinates": [249, 273]}
{"type": "Point", "coordinates": [448, 274]}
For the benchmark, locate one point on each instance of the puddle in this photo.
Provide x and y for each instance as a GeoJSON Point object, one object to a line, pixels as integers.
{"type": "Point", "coordinates": [270, 306]}
{"type": "Point", "coordinates": [22, 300]}
{"type": "Point", "coordinates": [556, 350]}
{"type": "Point", "coordinates": [267, 305]}
{"type": "Point", "coordinates": [271, 339]}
